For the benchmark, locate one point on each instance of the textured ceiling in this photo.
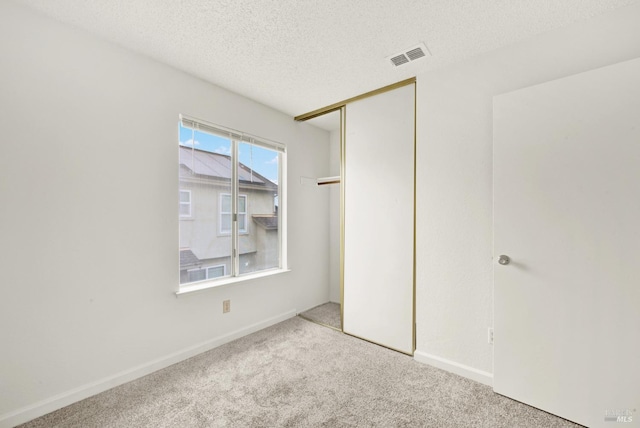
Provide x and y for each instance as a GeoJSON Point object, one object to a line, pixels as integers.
{"type": "Point", "coordinates": [299, 55]}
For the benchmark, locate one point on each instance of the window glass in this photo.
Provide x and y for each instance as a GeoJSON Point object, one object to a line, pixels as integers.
{"type": "Point", "coordinates": [223, 179]}
{"type": "Point", "coordinates": [205, 172]}
{"type": "Point", "coordinates": [185, 203]}
{"type": "Point", "coordinates": [215, 272]}
{"type": "Point", "coordinates": [197, 275]}
{"type": "Point", "coordinates": [242, 213]}
{"type": "Point", "coordinates": [225, 213]}
{"type": "Point", "coordinates": [258, 173]}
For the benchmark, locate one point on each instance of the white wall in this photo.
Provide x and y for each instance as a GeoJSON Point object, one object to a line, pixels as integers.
{"type": "Point", "coordinates": [454, 178]}
{"type": "Point", "coordinates": [89, 225]}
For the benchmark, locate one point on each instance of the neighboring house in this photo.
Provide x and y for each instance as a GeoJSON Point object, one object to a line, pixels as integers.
{"type": "Point", "coordinates": [205, 217]}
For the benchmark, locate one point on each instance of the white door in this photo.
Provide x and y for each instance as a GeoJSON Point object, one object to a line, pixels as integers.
{"type": "Point", "coordinates": [378, 218]}
{"type": "Point", "coordinates": [567, 213]}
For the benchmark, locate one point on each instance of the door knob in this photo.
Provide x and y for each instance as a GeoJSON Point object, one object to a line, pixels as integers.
{"type": "Point", "coordinates": [504, 260]}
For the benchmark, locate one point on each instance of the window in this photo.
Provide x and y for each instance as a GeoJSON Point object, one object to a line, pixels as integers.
{"type": "Point", "coordinates": [232, 195]}
{"type": "Point", "coordinates": [185, 203]}
{"type": "Point", "coordinates": [225, 213]}
{"type": "Point", "coordinates": [206, 273]}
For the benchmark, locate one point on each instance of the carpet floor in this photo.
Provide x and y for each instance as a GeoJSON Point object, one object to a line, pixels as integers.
{"type": "Point", "coordinates": [299, 374]}
{"type": "Point", "coordinates": [327, 314]}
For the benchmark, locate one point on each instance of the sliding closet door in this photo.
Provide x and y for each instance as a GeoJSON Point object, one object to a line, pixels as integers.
{"type": "Point", "coordinates": [379, 219]}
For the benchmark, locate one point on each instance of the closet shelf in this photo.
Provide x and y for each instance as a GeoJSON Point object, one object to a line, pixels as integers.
{"type": "Point", "coordinates": [328, 180]}
{"type": "Point", "coordinates": [308, 181]}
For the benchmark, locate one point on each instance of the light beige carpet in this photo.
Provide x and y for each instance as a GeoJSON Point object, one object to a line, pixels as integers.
{"type": "Point", "coordinates": [299, 374]}
{"type": "Point", "coordinates": [327, 314]}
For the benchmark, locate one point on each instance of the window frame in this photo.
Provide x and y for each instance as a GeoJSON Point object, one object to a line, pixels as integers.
{"type": "Point", "coordinates": [206, 272]}
{"type": "Point", "coordinates": [236, 138]}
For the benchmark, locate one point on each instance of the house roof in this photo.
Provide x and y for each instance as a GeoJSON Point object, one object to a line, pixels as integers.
{"type": "Point", "coordinates": [187, 258]}
{"type": "Point", "coordinates": [215, 165]}
{"type": "Point", "coordinates": [269, 222]}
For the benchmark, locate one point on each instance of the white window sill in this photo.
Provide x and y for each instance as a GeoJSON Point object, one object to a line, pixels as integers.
{"type": "Point", "coordinates": [214, 283]}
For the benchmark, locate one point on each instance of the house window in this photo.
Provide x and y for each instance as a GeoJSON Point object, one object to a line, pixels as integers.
{"type": "Point", "coordinates": [185, 203]}
{"type": "Point", "coordinates": [233, 181]}
{"type": "Point", "coordinates": [206, 273]}
{"type": "Point", "coordinates": [226, 215]}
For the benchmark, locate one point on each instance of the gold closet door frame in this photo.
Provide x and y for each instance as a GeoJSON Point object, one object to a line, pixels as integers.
{"type": "Point", "coordinates": [341, 106]}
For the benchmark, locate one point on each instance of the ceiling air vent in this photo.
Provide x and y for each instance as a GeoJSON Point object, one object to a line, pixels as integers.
{"type": "Point", "coordinates": [411, 54]}
{"type": "Point", "coordinates": [416, 53]}
{"type": "Point", "coordinates": [399, 60]}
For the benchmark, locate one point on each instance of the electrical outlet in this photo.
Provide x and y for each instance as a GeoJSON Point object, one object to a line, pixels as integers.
{"type": "Point", "coordinates": [490, 335]}
{"type": "Point", "coordinates": [226, 306]}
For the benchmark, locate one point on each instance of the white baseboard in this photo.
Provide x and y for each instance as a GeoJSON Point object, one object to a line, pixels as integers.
{"type": "Point", "coordinates": [56, 402]}
{"type": "Point", "coordinates": [453, 367]}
